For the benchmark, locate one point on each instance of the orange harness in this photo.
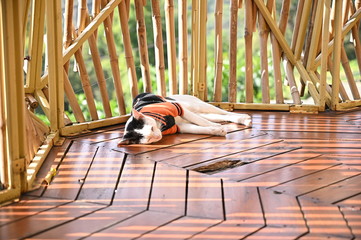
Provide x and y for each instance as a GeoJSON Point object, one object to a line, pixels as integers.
{"type": "Point", "coordinates": [160, 109]}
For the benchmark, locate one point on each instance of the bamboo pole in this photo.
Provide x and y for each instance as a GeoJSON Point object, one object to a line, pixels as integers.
{"type": "Point", "coordinates": [36, 45]}
{"type": "Point", "coordinates": [114, 63]}
{"type": "Point", "coordinates": [356, 38]}
{"type": "Point", "coordinates": [171, 46]}
{"type": "Point", "coordinates": [183, 46]}
{"type": "Point", "coordinates": [232, 85]}
{"type": "Point", "coordinates": [143, 46]}
{"type": "Point", "coordinates": [296, 28]}
{"type": "Point", "coordinates": [248, 38]}
{"type": "Point", "coordinates": [195, 47]}
{"type": "Point", "coordinates": [337, 54]}
{"type": "Point", "coordinates": [324, 52]}
{"type": "Point", "coordinates": [159, 50]}
{"type": "Point", "coordinates": [68, 27]}
{"type": "Point", "coordinates": [132, 77]}
{"type": "Point", "coordinates": [263, 33]}
{"type": "Point", "coordinates": [302, 28]}
{"type": "Point", "coordinates": [56, 82]}
{"type": "Point", "coordinates": [202, 87]}
{"type": "Point", "coordinates": [292, 82]}
{"type": "Point", "coordinates": [349, 74]}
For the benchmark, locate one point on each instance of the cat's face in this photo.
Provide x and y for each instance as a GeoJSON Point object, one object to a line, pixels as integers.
{"type": "Point", "coordinates": [140, 129]}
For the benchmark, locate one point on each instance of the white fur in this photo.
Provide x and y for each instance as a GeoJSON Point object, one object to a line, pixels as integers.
{"type": "Point", "coordinates": [202, 118]}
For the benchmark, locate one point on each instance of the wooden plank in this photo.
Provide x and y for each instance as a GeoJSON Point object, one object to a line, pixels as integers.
{"type": "Point", "coordinates": [194, 146]}
{"type": "Point", "coordinates": [324, 220]}
{"type": "Point", "coordinates": [353, 219]}
{"type": "Point", "coordinates": [182, 228]}
{"type": "Point", "coordinates": [135, 226]}
{"type": "Point", "coordinates": [36, 223]}
{"type": "Point", "coordinates": [135, 183]}
{"type": "Point", "coordinates": [266, 165]}
{"type": "Point", "coordinates": [219, 151]}
{"type": "Point", "coordinates": [25, 208]}
{"type": "Point", "coordinates": [316, 181]}
{"type": "Point", "coordinates": [204, 197]}
{"type": "Point", "coordinates": [85, 226]}
{"type": "Point", "coordinates": [292, 172]}
{"type": "Point", "coordinates": [338, 191]}
{"type": "Point", "coordinates": [169, 189]}
{"type": "Point", "coordinates": [102, 177]}
{"type": "Point", "coordinates": [72, 170]}
{"type": "Point", "coordinates": [283, 217]}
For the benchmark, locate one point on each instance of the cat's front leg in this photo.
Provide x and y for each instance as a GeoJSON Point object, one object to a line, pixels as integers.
{"type": "Point", "coordinates": [195, 129]}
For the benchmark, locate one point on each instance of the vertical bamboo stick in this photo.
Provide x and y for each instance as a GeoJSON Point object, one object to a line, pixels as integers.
{"type": "Point", "coordinates": [337, 54]}
{"type": "Point", "coordinates": [56, 82]}
{"type": "Point", "coordinates": [292, 82]}
{"type": "Point", "coordinates": [132, 77]}
{"type": "Point", "coordinates": [142, 44]}
{"type": "Point", "coordinates": [159, 50]}
{"type": "Point", "coordinates": [324, 51]}
{"type": "Point", "coordinates": [195, 47]}
{"type": "Point", "coordinates": [232, 85]}
{"type": "Point", "coordinates": [248, 38]}
{"type": "Point", "coordinates": [183, 46]}
{"type": "Point", "coordinates": [263, 33]}
{"type": "Point", "coordinates": [68, 24]}
{"type": "Point", "coordinates": [114, 63]}
{"type": "Point", "coordinates": [356, 38]}
{"type": "Point", "coordinates": [202, 88]}
{"type": "Point", "coordinates": [171, 46]}
{"type": "Point", "coordinates": [36, 45]}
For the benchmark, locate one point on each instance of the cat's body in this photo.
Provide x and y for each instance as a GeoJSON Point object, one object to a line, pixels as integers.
{"type": "Point", "coordinates": [154, 116]}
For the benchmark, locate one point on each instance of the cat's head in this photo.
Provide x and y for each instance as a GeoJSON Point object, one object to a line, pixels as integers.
{"type": "Point", "coordinates": [140, 129]}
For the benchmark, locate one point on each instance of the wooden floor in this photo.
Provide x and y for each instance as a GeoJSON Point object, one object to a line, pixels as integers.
{"type": "Point", "coordinates": [290, 176]}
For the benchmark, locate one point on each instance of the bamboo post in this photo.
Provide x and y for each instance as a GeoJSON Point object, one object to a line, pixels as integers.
{"type": "Point", "coordinates": [324, 51]}
{"type": "Point", "coordinates": [142, 44]}
{"type": "Point", "coordinates": [183, 46]}
{"type": "Point", "coordinates": [171, 46]}
{"type": "Point", "coordinates": [114, 63]}
{"type": "Point", "coordinates": [195, 47]}
{"type": "Point", "coordinates": [296, 28]}
{"type": "Point", "coordinates": [68, 27]}
{"type": "Point", "coordinates": [158, 49]}
{"type": "Point", "coordinates": [248, 38]}
{"type": "Point", "coordinates": [202, 87]}
{"type": "Point", "coordinates": [132, 77]}
{"type": "Point", "coordinates": [356, 38]}
{"type": "Point", "coordinates": [337, 54]}
{"type": "Point", "coordinates": [349, 74]}
{"type": "Point", "coordinates": [263, 33]}
{"type": "Point", "coordinates": [292, 82]}
{"type": "Point", "coordinates": [232, 85]}
{"type": "Point", "coordinates": [56, 82]}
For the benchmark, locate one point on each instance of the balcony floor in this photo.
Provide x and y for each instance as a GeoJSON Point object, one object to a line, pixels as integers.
{"type": "Point", "coordinates": [290, 176]}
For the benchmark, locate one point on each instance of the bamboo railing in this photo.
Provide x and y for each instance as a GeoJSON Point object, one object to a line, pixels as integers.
{"type": "Point", "coordinates": [298, 56]}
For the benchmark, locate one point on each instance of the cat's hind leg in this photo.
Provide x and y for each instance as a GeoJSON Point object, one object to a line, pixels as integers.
{"type": "Point", "coordinates": [186, 127]}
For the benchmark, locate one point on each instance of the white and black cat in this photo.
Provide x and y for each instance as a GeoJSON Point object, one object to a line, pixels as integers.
{"type": "Point", "coordinates": [154, 116]}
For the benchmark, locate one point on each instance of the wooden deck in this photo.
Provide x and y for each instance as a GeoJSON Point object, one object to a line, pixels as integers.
{"type": "Point", "coordinates": [290, 176]}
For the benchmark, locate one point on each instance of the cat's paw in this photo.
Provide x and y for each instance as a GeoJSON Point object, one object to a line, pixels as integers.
{"type": "Point", "coordinates": [219, 131]}
{"type": "Point", "coordinates": [243, 119]}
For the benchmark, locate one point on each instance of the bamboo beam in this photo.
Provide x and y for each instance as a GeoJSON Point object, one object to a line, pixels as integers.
{"type": "Point", "coordinates": [132, 76]}
{"type": "Point", "coordinates": [356, 38]}
{"type": "Point", "coordinates": [194, 48]}
{"type": "Point", "coordinates": [158, 49]}
{"type": "Point", "coordinates": [68, 27]}
{"type": "Point", "coordinates": [302, 28]}
{"type": "Point", "coordinates": [232, 85]}
{"type": "Point", "coordinates": [248, 38]}
{"type": "Point", "coordinates": [202, 88]}
{"type": "Point", "coordinates": [171, 46]}
{"type": "Point", "coordinates": [114, 64]}
{"type": "Point", "coordinates": [143, 46]}
{"type": "Point", "coordinates": [183, 46]}
{"type": "Point", "coordinates": [296, 28]}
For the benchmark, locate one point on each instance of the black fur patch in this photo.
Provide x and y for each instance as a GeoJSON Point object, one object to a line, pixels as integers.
{"type": "Point", "coordinates": [135, 124]}
{"type": "Point", "coordinates": [133, 137]}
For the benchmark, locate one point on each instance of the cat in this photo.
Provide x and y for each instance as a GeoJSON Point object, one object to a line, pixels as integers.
{"type": "Point", "coordinates": [154, 116]}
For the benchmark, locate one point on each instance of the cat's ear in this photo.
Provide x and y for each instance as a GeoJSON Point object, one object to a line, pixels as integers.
{"type": "Point", "coordinates": [137, 115]}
